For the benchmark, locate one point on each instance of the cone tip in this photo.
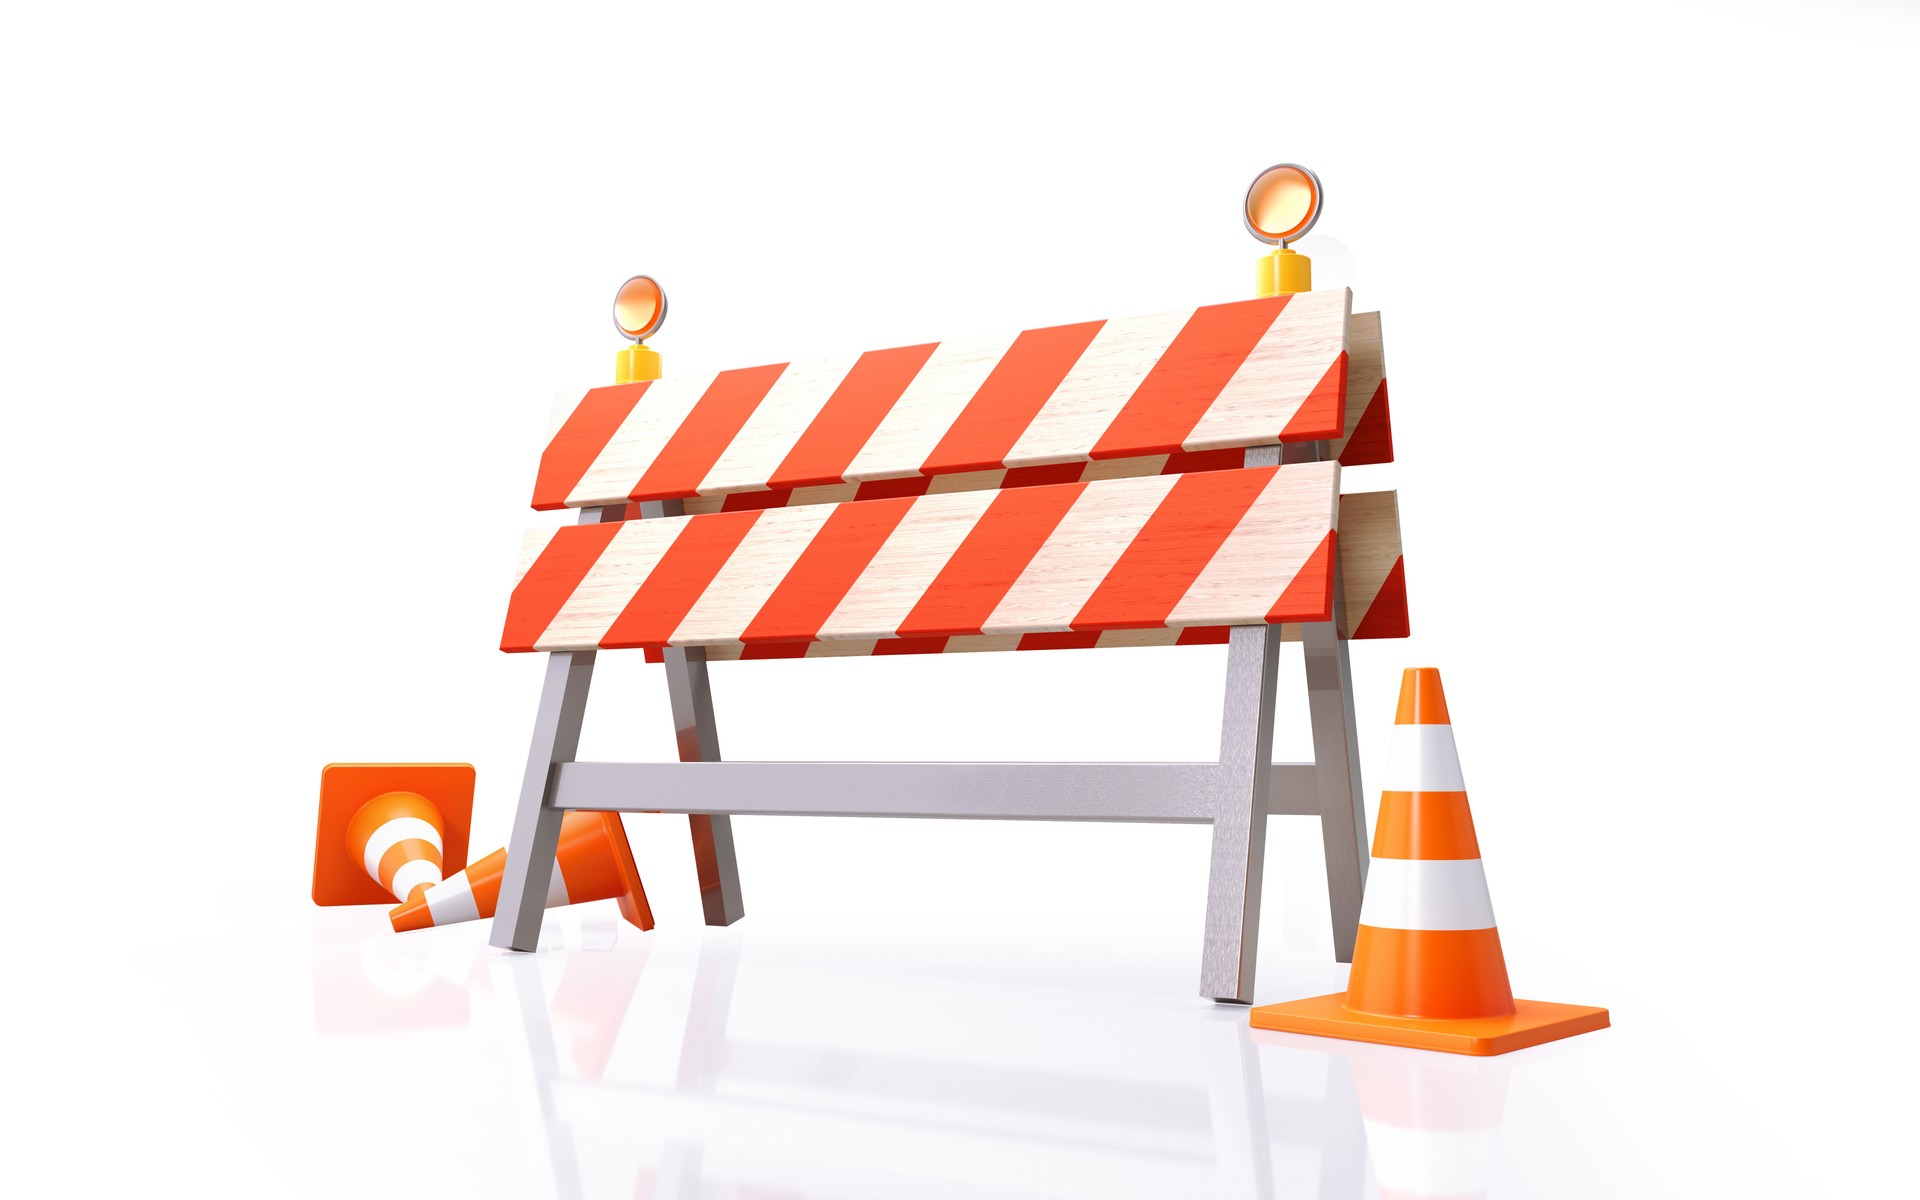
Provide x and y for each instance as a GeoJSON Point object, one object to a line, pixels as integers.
{"type": "Point", "coordinates": [1421, 700]}
{"type": "Point", "coordinates": [413, 914]}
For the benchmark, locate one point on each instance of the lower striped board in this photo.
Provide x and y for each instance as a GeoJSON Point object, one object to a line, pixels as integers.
{"type": "Point", "coordinates": [1372, 577]}
{"type": "Point", "coordinates": [1069, 561]}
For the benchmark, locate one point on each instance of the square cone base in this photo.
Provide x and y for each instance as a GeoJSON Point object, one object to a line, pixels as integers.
{"type": "Point", "coordinates": [1531, 1023]}
{"type": "Point", "coordinates": [337, 877]}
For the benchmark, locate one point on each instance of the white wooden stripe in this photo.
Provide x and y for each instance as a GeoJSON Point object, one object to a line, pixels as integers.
{"type": "Point", "coordinates": [1096, 389]}
{"type": "Point", "coordinates": [1427, 893]}
{"type": "Point", "coordinates": [1431, 1162]}
{"type": "Point", "coordinates": [1078, 554]}
{"type": "Point", "coordinates": [1279, 532]}
{"type": "Point", "coordinates": [842, 649]}
{"type": "Point", "coordinates": [987, 641]}
{"type": "Point", "coordinates": [927, 409]}
{"type": "Point", "coordinates": [1284, 368]}
{"type": "Point", "coordinates": [638, 441]}
{"type": "Point", "coordinates": [1422, 758]}
{"type": "Point", "coordinates": [1125, 468]}
{"type": "Point", "coordinates": [1110, 638]}
{"type": "Point", "coordinates": [452, 901]}
{"type": "Point", "coordinates": [966, 481]}
{"type": "Point", "coordinates": [397, 830]}
{"type": "Point", "coordinates": [412, 874]}
{"type": "Point", "coordinates": [769, 434]}
{"type": "Point", "coordinates": [757, 565]}
{"type": "Point", "coordinates": [824, 493]}
{"type": "Point", "coordinates": [906, 563]}
{"type": "Point", "coordinates": [619, 571]}
{"type": "Point", "coordinates": [531, 544]}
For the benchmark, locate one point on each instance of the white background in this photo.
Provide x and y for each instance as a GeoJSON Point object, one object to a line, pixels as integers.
{"type": "Point", "coordinates": [287, 292]}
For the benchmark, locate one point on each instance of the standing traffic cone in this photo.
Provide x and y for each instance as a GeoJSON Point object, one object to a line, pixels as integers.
{"type": "Point", "coordinates": [1427, 967]}
{"type": "Point", "coordinates": [593, 862]}
{"type": "Point", "coordinates": [388, 830]}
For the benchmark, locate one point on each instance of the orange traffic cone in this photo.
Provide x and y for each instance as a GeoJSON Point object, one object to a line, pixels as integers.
{"type": "Point", "coordinates": [387, 830]}
{"type": "Point", "coordinates": [1427, 967]}
{"type": "Point", "coordinates": [594, 862]}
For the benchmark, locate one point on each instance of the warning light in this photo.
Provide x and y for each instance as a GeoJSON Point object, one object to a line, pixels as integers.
{"type": "Point", "coordinates": [1283, 203]}
{"type": "Point", "coordinates": [639, 308]}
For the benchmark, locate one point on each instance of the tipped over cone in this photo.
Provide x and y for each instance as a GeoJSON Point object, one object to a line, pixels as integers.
{"type": "Point", "coordinates": [1428, 971]}
{"type": "Point", "coordinates": [387, 831]}
{"type": "Point", "coordinates": [593, 862]}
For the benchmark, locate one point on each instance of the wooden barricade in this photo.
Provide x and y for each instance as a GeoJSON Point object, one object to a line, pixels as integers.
{"type": "Point", "coordinates": [1162, 480]}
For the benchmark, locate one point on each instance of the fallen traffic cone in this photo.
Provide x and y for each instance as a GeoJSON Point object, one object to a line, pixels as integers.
{"type": "Point", "coordinates": [1427, 967]}
{"type": "Point", "coordinates": [387, 830]}
{"type": "Point", "coordinates": [593, 862]}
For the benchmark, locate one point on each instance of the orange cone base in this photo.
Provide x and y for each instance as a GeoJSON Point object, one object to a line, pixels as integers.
{"type": "Point", "coordinates": [633, 903]}
{"type": "Point", "coordinates": [344, 787]}
{"type": "Point", "coordinates": [1531, 1023]}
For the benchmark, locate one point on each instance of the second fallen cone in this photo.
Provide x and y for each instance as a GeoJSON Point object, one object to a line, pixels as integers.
{"type": "Point", "coordinates": [593, 862]}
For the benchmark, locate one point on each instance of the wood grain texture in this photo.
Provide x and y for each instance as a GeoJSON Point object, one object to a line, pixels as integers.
{"type": "Point", "coordinates": [1371, 575]}
{"type": "Point", "coordinates": [1076, 560]}
{"type": "Point", "coordinates": [1247, 373]}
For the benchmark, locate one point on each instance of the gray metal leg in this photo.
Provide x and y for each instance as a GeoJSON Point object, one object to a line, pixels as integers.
{"type": "Point", "coordinates": [1336, 757]}
{"type": "Point", "coordinates": [699, 741]}
{"type": "Point", "coordinates": [536, 824]}
{"type": "Point", "coordinates": [1240, 815]}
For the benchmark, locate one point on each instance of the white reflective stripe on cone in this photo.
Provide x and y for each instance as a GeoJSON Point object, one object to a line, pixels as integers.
{"type": "Point", "coordinates": [411, 875]}
{"type": "Point", "coordinates": [557, 889]}
{"type": "Point", "coordinates": [1431, 1162]}
{"type": "Point", "coordinates": [397, 830]}
{"type": "Point", "coordinates": [1421, 758]}
{"type": "Point", "coordinates": [452, 901]}
{"type": "Point", "coordinates": [1427, 893]}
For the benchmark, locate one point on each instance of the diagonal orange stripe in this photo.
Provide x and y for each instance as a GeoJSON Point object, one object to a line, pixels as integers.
{"type": "Point", "coordinates": [706, 433]}
{"type": "Point", "coordinates": [677, 581]}
{"type": "Point", "coordinates": [1019, 386]}
{"type": "Point", "coordinates": [1171, 549]}
{"type": "Point", "coordinates": [819, 579]}
{"type": "Point", "coordinates": [1372, 439]}
{"type": "Point", "coordinates": [827, 448]}
{"type": "Point", "coordinates": [551, 580]}
{"type": "Point", "coordinates": [988, 560]}
{"type": "Point", "coordinates": [585, 433]}
{"type": "Point", "coordinates": [1310, 596]}
{"type": "Point", "coordinates": [1181, 387]}
{"type": "Point", "coordinates": [1387, 614]}
{"type": "Point", "coordinates": [1323, 414]}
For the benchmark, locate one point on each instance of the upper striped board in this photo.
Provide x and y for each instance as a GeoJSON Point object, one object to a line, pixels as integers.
{"type": "Point", "coordinates": [1248, 373]}
{"type": "Point", "coordinates": [1208, 549]}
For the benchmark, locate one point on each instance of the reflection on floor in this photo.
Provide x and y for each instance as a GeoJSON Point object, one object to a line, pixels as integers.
{"type": "Point", "coordinates": [656, 1066]}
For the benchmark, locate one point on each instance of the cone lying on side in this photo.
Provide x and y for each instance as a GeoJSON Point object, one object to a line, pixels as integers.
{"type": "Point", "coordinates": [1427, 966]}
{"type": "Point", "coordinates": [594, 862]}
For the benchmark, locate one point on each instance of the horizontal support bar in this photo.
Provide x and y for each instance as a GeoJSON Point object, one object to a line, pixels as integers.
{"type": "Point", "coordinates": [1174, 792]}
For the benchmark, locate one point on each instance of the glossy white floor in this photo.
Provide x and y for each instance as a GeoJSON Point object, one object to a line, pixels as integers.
{"type": "Point", "coordinates": [767, 1060]}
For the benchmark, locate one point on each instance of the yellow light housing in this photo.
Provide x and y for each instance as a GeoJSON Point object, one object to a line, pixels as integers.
{"type": "Point", "coordinates": [1283, 203]}
{"type": "Point", "coordinates": [639, 308]}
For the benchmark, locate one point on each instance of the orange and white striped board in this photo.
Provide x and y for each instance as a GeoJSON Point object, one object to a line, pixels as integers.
{"type": "Point", "coordinates": [1216, 377]}
{"type": "Point", "coordinates": [1162, 553]}
{"type": "Point", "coordinates": [1372, 576]}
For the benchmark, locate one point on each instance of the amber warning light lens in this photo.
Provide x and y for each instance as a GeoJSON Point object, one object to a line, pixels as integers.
{"type": "Point", "coordinates": [639, 307]}
{"type": "Point", "coordinates": [1283, 203]}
